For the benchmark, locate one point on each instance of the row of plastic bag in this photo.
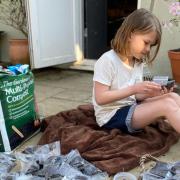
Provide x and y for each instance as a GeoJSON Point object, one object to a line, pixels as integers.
{"type": "Point", "coordinates": [46, 162]}
{"type": "Point", "coordinates": [163, 170]}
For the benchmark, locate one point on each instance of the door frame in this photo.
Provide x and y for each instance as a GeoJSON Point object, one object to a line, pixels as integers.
{"type": "Point", "coordinates": [79, 35]}
{"type": "Point", "coordinates": [91, 62]}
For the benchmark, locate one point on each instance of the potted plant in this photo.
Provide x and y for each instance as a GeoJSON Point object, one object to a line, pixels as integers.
{"type": "Point", "coordinates": [13, 13]}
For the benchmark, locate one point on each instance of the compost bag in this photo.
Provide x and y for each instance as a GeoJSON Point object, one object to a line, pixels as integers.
{"type": "Point", "coordinates": [17, 109]}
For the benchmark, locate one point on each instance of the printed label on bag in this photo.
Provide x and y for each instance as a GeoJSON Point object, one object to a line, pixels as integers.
{"type": "Point", "coordinates": [17, 100]}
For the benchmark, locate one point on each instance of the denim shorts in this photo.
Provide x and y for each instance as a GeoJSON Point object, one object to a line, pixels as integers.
{"type": "Point", "coordinates": [122, 119]}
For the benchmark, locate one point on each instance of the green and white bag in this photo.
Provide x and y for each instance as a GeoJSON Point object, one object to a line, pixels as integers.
{"type": "Point", "coordinates": [17, 110]}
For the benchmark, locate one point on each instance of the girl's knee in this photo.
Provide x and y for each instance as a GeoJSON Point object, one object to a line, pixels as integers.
{"type": "Point", "coordinates": [173, 95]}
{"type": "Point", "coordinates": [170, 104]}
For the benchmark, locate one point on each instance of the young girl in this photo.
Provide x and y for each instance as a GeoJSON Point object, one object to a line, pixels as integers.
{"type": "Point", "coordinates": [118, 81]}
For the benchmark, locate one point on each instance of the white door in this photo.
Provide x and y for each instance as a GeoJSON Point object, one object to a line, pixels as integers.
{"type": "Point", "coordinates": [55, 31]}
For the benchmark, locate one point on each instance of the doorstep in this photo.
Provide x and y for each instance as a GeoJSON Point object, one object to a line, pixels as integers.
{"type": "Point", "coordinates": [84, 65]}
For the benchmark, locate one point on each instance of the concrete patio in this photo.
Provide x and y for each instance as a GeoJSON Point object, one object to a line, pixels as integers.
{"type": "Point", "coordinates": [58, 90]}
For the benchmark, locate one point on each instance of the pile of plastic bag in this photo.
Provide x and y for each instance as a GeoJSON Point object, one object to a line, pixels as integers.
{"type": "Point", "coordinates": [46, 162]}
{"type": "Point", "coordinates": [162, 170]}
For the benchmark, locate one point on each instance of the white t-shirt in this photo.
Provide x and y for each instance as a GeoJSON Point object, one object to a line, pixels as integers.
{"type": "Point", "coordinates": [111, 71]}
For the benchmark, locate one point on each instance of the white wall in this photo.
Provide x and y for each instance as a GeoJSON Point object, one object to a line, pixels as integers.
{"type": "Point", "coordinates": [170, 40]}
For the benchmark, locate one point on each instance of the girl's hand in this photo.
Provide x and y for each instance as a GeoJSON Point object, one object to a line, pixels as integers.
{"type": "Point", "coordinates": [149, 88]}
{"type": "Point", "coordinates": [166, 90]}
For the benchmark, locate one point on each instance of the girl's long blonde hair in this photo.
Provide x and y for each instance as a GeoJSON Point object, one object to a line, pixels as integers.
{"type": "Point", "coordinates": [139, 21]}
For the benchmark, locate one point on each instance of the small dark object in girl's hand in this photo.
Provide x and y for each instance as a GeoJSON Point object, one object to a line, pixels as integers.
{"type": "Point", "coordinates": [169, 84]}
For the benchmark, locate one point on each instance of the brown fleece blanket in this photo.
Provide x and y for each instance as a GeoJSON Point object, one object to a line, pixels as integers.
{"type": "Point", "coordinates": [110, 150]}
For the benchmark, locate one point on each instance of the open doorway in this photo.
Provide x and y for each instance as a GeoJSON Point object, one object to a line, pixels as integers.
{"type": "Point", "coordinates": [102, 18]}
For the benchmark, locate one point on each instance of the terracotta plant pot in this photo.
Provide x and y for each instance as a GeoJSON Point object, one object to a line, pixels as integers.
{"type": "Point", "coordinates": [174, 56]}
{"type": "Point", "coordinates": [19, 51]}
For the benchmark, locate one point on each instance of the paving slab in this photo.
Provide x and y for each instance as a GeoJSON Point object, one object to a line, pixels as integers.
{"type": "Point", "coordinates": [69, 94]}
{"type": "Point", "coordinates": [52, 106]}
{"type": "Point", "coordinates": [74, 83]}
{"type": "Point", "coordinates": [43, 92]}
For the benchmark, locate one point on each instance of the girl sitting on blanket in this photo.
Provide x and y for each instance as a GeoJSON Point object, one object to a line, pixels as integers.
{"type": "Point", "coordinates": [118, 84]}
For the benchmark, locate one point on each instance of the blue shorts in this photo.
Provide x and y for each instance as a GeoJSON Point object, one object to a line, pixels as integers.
{"type": "Point", "coordinates": [122, 119]}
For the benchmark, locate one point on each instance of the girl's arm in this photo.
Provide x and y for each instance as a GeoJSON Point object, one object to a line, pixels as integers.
{"type": "Point", "coordinates": [104, 95]}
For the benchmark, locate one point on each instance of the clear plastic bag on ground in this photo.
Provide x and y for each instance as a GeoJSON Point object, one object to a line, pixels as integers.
{"type": "Point", "coordinates": [77, 162]}
{"type": "Point", "coordinates": [19, 176]}
{"type": "Point", "coordinates": [161, 170]}
{"type": "Point", "coordinates": [33, 158]}
{"type": "Point", "coordinates": [72, 166]}
{"type": "Point", "coordinates": [52, 149]}
{"type": "Point", "coordinates": [7, 162]}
